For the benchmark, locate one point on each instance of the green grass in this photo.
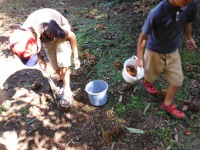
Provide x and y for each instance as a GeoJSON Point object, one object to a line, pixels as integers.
{"type": "Point", "coordinates": [167, 133]}
{"type": "Point", "coordinates": [135, 103]}
{"type": "Point", "coordinates": [24, 111]}
{"type": "Point", "coordinates": [2, 108]}
{"type": "Point", "coordinates": [96, 42]}
{"type": "Point", "coordinates": [189, 56]}
{"type": "Point", "coordinates": [168, 137]}
{"type": "Point", "coordinates": [183, 91]}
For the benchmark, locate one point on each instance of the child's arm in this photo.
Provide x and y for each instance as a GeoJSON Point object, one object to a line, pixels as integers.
{"type": "Point", "coordinates": [41, 62]}
{"type": "Point", "coordinates": [140, 48]}
{"type": "Point", "coordinates": [73, 42]}
{"type": "Point", "coordinates": [190, 43]}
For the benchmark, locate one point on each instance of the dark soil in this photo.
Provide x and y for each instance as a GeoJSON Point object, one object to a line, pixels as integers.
{"type": "Point", "coordinates": [32, 119]}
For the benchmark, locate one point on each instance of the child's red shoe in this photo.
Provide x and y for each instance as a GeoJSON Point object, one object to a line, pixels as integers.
{"type": "Point", "coordinates": [149, 87]}
{"type": "Point", "coordinates": [172, 110]}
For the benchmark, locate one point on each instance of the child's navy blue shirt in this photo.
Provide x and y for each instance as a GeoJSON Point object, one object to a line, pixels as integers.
{"type": "Point", "coordinates": [165, 25]}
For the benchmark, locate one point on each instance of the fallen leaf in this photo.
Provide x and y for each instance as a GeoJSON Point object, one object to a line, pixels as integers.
{"type": "Point", "coordinates": [120, 98]}
{"type": "Point", "coordinates": [113, 144]}
{"type": "Point", "coordinates": [186, 101]}
{"type": "Point", "coordinates": [133, 130]}
{"type": "Point", "coordinates": [135, 89]}
{"type": "Point", "coordinates": [168, 148]}
{"type": "Point", "coordinates": [126, 86]}
{"type": "Point", "coordinates": [122, 8]}
{"type": "Point", "coordinates": [176, 138]}
{"type": "Point", "coordinates": [31, 121]}
{"type": "Point", "coordinates": [146, 108]}
{"type": "Point", "coordinates": [185, 107]}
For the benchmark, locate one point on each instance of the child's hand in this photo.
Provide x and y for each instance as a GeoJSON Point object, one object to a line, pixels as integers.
{"type": "Point", "coordinates": [77, 63]}
{"type": "Point", "coordinates": [191, 45]}
{"type": "Point", "coordinates": [139, 63]}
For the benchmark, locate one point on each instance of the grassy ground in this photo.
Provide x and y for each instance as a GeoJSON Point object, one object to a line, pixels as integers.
{"type": "Point", "coordinates": [110, 31]}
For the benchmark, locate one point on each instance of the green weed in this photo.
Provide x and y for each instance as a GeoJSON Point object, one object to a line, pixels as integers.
{"type": "Point", "coordinates": [160, 113]}
{"type": "Point", "coordinates": [133, 104]}
{"type": "Point", "coordinates": [189, 56]}
{"type": "Point", "coordinates": [2, 108]}
{"type": "Point", "coordinates": [24, 111]}
{"type": "Point", "coordinates": [165, 135]}
{"type": "Point", "coordinates": [119, 108]}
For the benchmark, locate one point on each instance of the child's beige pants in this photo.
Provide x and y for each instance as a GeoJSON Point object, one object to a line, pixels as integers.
{"type": "Point", "coordinates": [167, 64]}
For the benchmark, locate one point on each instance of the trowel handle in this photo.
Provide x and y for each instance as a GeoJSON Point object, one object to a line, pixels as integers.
{"type": "Point", "coordinates": [50, 80]}
{"type": "Point", "coordinates": [52, 85]}
{"type": "Point", "coordinates": [47, 72]}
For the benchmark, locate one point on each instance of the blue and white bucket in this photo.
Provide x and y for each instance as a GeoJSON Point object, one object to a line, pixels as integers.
{"type": "Point", "coordinates": [97, 92]}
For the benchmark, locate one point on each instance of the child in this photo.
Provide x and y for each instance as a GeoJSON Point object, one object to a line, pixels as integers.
{"type": "Point", "coordinates": [161, 34]}
{"type": "Point", "coordinates": [49, 27]}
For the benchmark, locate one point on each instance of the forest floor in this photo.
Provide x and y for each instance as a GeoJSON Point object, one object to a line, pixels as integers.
{"type": "Point", "coordinates": [30, 118]}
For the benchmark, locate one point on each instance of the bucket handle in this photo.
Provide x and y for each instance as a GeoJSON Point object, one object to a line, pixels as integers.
{"type": "Point", "coordinates": [139, 69]}
{"type": "Point", "coordinates": [134, 57]}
